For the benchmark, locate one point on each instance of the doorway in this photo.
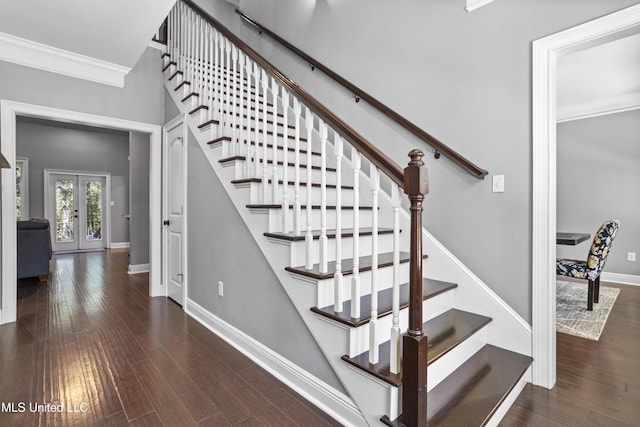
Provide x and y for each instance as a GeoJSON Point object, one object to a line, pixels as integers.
{"type": "Point", "coordinates": [9, 110]}
{"type": "Point", "coordinates": [545, 54]}
{"type": "Point", "coordinates": [75, 205]}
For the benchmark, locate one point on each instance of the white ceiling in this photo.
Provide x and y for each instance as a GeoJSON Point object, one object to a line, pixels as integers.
{"type": "Point", "coordinates": [601, 79]}
{"type": "Point", "coordinates": [115, 31]}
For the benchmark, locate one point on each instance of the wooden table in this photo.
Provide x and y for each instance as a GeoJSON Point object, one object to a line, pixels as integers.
{"type": "Point", "coordinates": [571, 238]}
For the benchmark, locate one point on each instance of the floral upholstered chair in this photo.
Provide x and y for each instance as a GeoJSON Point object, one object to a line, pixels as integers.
{"type": "Point", "coordinates": [591, 268]}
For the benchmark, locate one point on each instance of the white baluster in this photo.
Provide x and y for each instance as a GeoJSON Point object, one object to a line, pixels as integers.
{"type": "Point", "coordinates": [285, 160]}
{"type": "Point", "coordinates": [337, 277]}
{"type": "Point", "coordinates": [242, 142]}
{"type": "Point", "coordinates": [214, 78]}
{"type": "Point", "coordinates": [309, 235]}
{"type": "Point", "coordinates": [232, 88]}
{"type": "Point", "coordinates": [265, 172]}
{"type": "Point", "coordinates": [324, 241]}
{"type": "Point", "coordinates": [395, 342]}
{"type": "Point", "coordinates": [256, 113]}
{"type": "Point", "coordinates": [227, 71]}
{"type": "Point", "coordinates": [297, 215]}
{"type": "Point", "coordinates": [188, 75]}
{"type": "Point", "coordinates": [355, 277]}
{"type": "Point", "coordinates": [274, 126]}
{"type": "Point", "coordinates": [373, 323]}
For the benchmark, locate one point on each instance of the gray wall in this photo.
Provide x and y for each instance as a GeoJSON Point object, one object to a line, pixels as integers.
{"type": "Point", "coordinates": [598, 176]}
{"type": "Point", "coordinates": [139, 198]}
{"type": "Point", "coordinates": [464, 77]}
{"type": "Point", "coordinates": [222, 248]}
{"type": "Point", "coordinates": [51, 145]}
{"type": "Point", "coordinates": [141, 99]}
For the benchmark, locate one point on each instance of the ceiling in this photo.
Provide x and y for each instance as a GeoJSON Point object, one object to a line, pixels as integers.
{"type": "Point", "coordinates": [601, 79]}
{"type": "Point", "coordinates": [114, 31]}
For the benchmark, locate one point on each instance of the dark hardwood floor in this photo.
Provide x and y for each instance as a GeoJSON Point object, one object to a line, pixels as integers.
{"type": "Point", "coordinates": [92, 341]}
{"type": "Point", "coordinates": [598, 382]}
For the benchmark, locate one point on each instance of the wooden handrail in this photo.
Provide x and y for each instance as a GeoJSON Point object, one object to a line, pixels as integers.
{"type": "Point", "coordinates": [359, 142]}
{"type": "Point", "coordinates": [437, 145]}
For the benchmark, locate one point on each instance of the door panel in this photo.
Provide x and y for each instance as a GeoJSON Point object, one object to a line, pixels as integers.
{"type": "Point", "coordinates": [77, 211]}
{"type": "Point", "coordinates": [174, 215]}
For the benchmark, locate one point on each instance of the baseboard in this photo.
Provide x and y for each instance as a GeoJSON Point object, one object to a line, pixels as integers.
{"type": "Point", "coordinates": [139, 268]}
{"type": "Point", "coordinates": [335, 403]}
{"type": "Point", "coordinates": [624, 279]}
{"type": "Point", "coordinates": [119, 245]}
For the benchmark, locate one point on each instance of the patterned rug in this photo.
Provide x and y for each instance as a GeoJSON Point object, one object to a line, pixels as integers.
{"type": "Point", "coordinates": [572, 316]}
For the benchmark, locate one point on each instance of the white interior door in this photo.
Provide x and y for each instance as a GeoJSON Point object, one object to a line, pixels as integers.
{"type": "Point", "coordinates": [174, 214]}
{"type": "Point", "coordinates": [76, 211]}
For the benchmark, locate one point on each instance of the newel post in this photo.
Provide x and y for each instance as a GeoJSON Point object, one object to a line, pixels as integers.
{"type": "Point", "coordinates": [414, 342]}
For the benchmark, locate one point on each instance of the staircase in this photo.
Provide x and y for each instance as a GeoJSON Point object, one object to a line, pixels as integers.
{"type": "Point", "coordinates": [326, 210]}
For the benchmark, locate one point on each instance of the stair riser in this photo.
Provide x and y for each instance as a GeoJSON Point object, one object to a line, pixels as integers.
{"type": "Point", "coordinates": [243, 170]}
{"type": "Point", "coordinates": [316, 193]}
{"type": "Point", "coordinates": [385, 280]}
{"type": "Point", "coordinates": [275, 219]}
{"type": "Point", "coordinates": [432, 307]}
{"type": "Point", "coordinates": [298, 249]}
{"type": "Point", "coordinates": [445, 365]}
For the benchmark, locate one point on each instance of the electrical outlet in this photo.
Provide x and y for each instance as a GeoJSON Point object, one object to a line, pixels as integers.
{"type": "Point", "coordinates": [631, 256]}
{"type": "Point", "coordinates": [220, 289]}
{"type": "Point", "coordinates": [498, 183]}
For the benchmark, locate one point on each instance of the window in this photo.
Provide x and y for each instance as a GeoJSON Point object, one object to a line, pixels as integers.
{"type": "Point", "coordinates": [22, 188]}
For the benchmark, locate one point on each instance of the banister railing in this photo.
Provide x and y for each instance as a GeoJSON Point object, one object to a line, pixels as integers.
{"type": "Point", "coordinates": [260, 116]}
{"type": "Point", "coordinates": [381, 160]}
{"type": "Point", "coordinates": [436, 144]}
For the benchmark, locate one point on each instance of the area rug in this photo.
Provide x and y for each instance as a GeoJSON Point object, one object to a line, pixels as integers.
{"type": "Point", "coordinates": [572, 316]}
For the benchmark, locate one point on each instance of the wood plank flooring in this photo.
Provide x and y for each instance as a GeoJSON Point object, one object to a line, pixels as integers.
{"type": "Point", "coordinates": [598, 382]}
{"type": "Point", "coordinates": [92, 341]}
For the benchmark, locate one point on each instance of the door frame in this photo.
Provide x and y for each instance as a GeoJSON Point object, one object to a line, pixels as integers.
{"type": "Point", "coordinates": [545, 53]}
{"type": "Point", "coordinates": [107, 206]}
{"type": "Point", "coordinates": [179, 120]}
{"type": "Point", "coordinates": [9, 110]}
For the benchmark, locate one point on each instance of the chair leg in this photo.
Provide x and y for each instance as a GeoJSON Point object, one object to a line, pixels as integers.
{"type": "Point", "coordinates": [590, 296]}
{"type": "Point", "coordinates": [596, 290]}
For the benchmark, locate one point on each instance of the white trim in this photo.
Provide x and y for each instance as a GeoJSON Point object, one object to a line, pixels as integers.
{"type": "Point", "coordinates": [157, 45]}
{"type": "Point", "coordinates": [138, 268]}
{"type": "Point", "coordinates": [618, 104]}
{"type": "Point", "coordinates": [48, 58]}
{"type": "Point", "coordinates": [24, 187]}
{"type": "Point", "coordinates": [623, 279]}
{"type": "Point", "coordinates": [335, 403]}
{"type": "Point", "coordinates": [545, 52]}
{"type": "Point", "coordinates": [119, 245]}
{"type": "Point", "coordinates": [9, 110]}
{"type": "Point", "coordinates": [476, 4]}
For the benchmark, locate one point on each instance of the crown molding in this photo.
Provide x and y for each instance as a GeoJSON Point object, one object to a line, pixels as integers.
{"type": "Point", "coordinates": [476, 4]}
{"type": "Point", "coordinates": [37, 55]}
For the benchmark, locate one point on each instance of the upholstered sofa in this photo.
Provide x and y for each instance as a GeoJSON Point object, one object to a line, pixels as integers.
{"type": "Point", "coordinates": [34, 248]}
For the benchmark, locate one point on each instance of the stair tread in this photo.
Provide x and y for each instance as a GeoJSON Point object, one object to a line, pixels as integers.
{"type": "Point", "coordinates": [473, 392]}
{"type": "Point", "coordinates": [445, 332]}
{"type": "Point", "coordinates": [279, 206]}
{"type": "Point", "coordinates": [244, 158]}
{"type": "Point", "coordinates": [331, 234]}
{"type": "Point", "coordinates": [302, 184]}
{"type": "Point", "coordinates": [430, 288]}
{"type": "Point", "coordinates": [365, 263]}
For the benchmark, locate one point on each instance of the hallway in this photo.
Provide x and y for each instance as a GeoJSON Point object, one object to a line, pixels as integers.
{"type": "Point", "coordinates": [91, 343]}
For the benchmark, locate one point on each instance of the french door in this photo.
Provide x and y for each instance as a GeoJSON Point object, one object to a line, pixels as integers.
{"type": "Point", "coordinates": [76, 210]}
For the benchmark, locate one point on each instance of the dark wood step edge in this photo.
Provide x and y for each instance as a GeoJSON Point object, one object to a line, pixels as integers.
{"type": "Point", "coordinates": [430, 289]}
{"type": "Point", "coordinates": [302, 184]}
{"type": "Point", "coordinates": [445, 332]}
{"type": "Point", "coordinates": [472, 394]}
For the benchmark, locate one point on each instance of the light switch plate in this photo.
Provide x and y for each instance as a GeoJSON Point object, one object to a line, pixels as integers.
{"type": "Point", "coordinates": [498, 183]}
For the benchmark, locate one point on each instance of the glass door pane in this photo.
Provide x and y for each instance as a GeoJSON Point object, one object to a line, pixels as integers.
{"type": "Point", "coordinates": [65, 212]}
{"type": "Point", "coordinates": [93, 199]}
